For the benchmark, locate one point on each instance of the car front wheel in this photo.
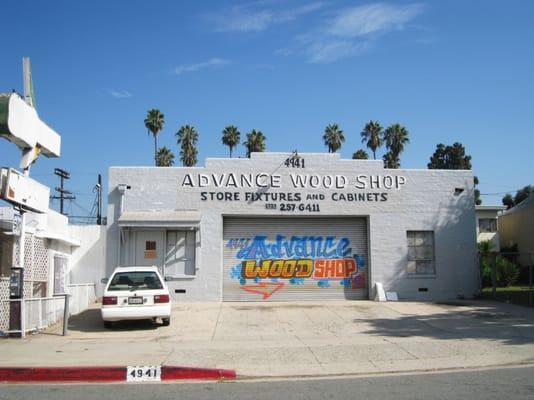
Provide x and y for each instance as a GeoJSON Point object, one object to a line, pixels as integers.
{"type": "Point", "coordinates": [166, 321]}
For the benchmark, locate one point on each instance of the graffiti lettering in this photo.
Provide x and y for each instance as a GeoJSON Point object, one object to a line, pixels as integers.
{"type": "Point", "coordinates": [334, 269]}
{"type": "Point", "coordinates": [265, 289]}
{"type": "Point", "coordinates": [285, 269]}
{"type": "Point", "coordinates": [296, 246]}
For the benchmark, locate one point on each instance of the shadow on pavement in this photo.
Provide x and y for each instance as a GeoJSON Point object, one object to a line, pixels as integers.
{"type": "Point", "coordinates": [91, 321]}
{"type": "Point", "coordinates": [488, 322]}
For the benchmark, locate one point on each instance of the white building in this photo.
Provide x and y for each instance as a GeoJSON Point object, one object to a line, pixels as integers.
{"type": "Point", "coordinates": [55, 262]}
{"type": "Point", "coordinates": [282, 226]}
{"type": "Point", "coordinates": [488, 225]}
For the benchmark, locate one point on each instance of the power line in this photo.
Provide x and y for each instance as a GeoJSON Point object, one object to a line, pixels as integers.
{"type": "Point", "coordinates": [494, 194]}
{"type": "Point", "coordinates": [63, 193]}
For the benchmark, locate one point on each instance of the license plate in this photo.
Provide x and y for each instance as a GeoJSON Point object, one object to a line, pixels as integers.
{"type": "Point", "coordinates": [135, 300]}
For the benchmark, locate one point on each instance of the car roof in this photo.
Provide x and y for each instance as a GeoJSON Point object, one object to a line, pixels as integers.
{"type": "Point", "coordinates": [135, 268]}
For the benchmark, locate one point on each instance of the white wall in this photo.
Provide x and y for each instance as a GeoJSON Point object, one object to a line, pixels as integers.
{"type": "Point", "coordinates": [88, 260]}
{"type": "Point", "coordinates": [427, 201]}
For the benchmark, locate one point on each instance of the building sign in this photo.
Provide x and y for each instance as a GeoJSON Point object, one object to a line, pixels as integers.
{"type": "Point", "coordinates": [294, 191]}
{"type": "Point", "coordinates": [296, 181]}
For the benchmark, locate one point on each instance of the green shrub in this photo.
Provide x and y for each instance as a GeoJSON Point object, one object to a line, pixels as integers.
{"type": "Point", "coordinates": [507, 272]}
{"type": "Point", "coordinates": [484, 252]}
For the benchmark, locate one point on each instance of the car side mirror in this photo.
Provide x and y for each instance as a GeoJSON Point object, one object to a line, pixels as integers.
{"type": "Point", "coordinates": [104, 280]}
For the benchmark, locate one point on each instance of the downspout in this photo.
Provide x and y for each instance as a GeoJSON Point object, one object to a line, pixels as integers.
{"type": "Point", "coordinates": [121, 187]}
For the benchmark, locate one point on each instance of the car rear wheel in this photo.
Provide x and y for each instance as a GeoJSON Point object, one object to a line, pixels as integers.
{"type": "Point", "coordinates": [108, 324]}
{"type": "Point", "coordinates": [166, 321]}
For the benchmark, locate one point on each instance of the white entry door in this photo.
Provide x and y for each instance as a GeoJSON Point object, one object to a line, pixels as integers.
{"type": "Point", "coordinates": [150, 248]}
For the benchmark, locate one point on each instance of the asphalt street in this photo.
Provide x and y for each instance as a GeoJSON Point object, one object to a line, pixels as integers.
{"type": "Point", "coordinates": [507, 383]}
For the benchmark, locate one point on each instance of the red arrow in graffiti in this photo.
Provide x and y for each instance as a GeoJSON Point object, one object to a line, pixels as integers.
{"type": "Point", "coordinates": [265, 289]}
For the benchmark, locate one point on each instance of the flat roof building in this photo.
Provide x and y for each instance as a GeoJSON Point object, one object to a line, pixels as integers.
{"type": "Point", "coordinates": [287, 226]}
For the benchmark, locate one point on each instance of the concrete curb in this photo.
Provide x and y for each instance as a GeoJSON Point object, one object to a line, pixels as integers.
{"type": "Point", "coordinates": [106, 374]}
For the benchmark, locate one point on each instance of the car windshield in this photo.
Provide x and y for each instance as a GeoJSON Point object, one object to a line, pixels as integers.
{"type": "Point", "coordinates": [139, 280]}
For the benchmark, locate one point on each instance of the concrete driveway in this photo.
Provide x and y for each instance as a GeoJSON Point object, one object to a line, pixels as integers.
{"type": "Point", "coordinates": [294, 339]}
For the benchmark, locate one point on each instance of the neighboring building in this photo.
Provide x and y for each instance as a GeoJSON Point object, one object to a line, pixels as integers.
{"type": "Point", "coordinates": [48, 267]}
{"type": "Point", "coordinates": [488, 223]}
{"type": "Point", "coordinates": [282, 226]}
{"type": "Point", "coordinates": [516, 228]}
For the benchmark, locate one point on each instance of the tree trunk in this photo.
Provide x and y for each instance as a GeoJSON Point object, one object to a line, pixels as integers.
{"type": "Point", "coordinates": [155, 151]}
{"type": "Point", "coordinates": [230, 151]}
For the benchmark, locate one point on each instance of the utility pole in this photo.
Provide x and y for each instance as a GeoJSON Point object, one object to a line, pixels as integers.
{"type": "Point", "coordinates": [63, 194]}
{"type": "Point", "coordinates": [99, 200]}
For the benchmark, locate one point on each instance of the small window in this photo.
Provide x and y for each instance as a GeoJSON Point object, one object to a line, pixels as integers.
{"type": "Point", "coordinates": [6, 254]}
{"type": "Point", "coordinates": [60, 274]}
{"type": "Point", "coordinates": [421, 253]}
{"type": "Point", "coordinates": [487, 225]}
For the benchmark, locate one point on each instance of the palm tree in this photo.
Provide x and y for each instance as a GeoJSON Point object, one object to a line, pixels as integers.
{"type": "Point", "coordinates": [360, 155]}
{"type": "Point", "coordinates": [187, 137]}
{"type": "Point", "coordinates": [255, 142]}
{"type": "Point", "coordinates": [164, 157]}
{"type": "Point", "coordinates": [391, 160]}
{"type": "Point", "coordinates": [372, 136]}
{"type": "Point", "coordinates": [154, 122]}
{"type": "Point", "coordinates": [231, 137]}
{"type": "Point", "coordinates": [333, 138]}
{"type": "Point", "coordinates": [396, 136]}
{"type": "Point", "coordinates": [188, 156]}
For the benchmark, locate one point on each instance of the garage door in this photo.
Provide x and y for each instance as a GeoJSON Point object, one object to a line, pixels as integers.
{"type": "Point", "coordinates": [278, 259]}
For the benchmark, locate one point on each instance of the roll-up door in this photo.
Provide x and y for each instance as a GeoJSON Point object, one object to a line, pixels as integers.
{"type": "Point", "coordinates": [279, 259]}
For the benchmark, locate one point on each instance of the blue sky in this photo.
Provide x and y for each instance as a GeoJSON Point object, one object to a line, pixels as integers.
{"type": "Point", "coordinates": [448, 71]}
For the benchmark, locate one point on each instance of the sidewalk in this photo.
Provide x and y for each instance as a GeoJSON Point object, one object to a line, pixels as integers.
{"type": "Point", "coordinates": [294, 339]}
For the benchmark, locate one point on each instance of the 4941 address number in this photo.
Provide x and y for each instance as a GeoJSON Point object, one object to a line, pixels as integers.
{"type": "Point", "coordinates": [143, 373]}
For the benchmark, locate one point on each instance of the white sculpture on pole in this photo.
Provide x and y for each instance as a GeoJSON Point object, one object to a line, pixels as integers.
{"type": "Point", "coordinates": [20, 124]}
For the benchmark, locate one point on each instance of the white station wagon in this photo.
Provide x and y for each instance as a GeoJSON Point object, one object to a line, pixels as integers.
{"type": "Point", "coordinates": [136, 293]}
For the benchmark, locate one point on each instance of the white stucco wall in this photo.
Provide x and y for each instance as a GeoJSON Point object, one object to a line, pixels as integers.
{"type": "Point", "coordinates": [88, 261]}
{"type": "Point", "coordinates": [428, 200]}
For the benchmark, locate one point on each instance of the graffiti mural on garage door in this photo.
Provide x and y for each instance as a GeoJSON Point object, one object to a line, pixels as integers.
{"type": "Point", "coordinates": [267, 266]}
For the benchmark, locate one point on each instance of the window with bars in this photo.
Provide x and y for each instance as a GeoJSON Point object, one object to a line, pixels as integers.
{"type": "Point", "coordinates": [60, 274]}
{"type": "Point", "coordinates": [421, 253]}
